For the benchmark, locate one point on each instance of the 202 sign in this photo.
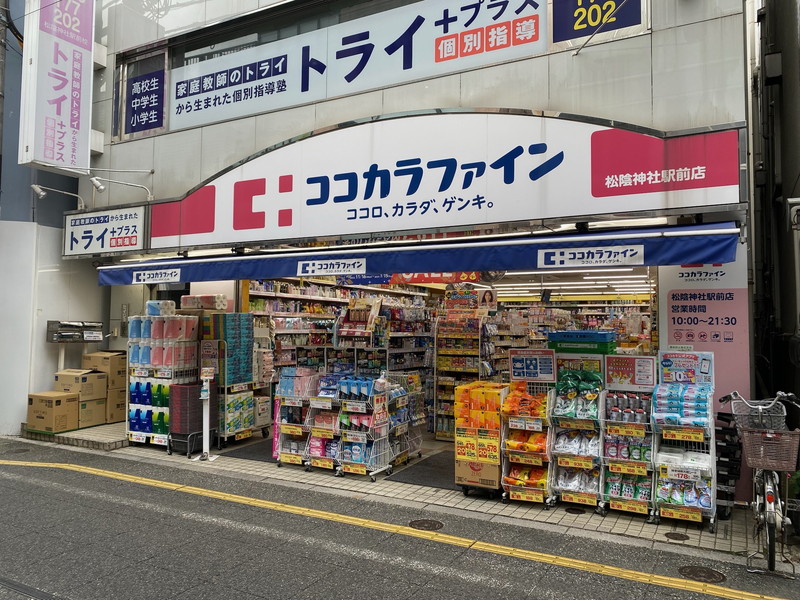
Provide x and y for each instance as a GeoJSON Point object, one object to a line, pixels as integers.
{"type": "Point", "coordinates": [574, 19]}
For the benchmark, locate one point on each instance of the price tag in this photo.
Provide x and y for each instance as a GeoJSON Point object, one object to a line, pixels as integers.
{"type": "Point", "coordinates": [357, 469]}
{"type": "Point", "coordinates": [525, 459]}
{"type": "Point", "coordinates": [628, 468]}
{"type": "Point", "coordinates": [354, 406]}
{"type": "Point", "coordinates": [137, 437]}
{"type": "Point", "coordinates": [291, 429]}
{"type": "Point", "coordinates": [681, 473]}
{"type": "Point", "coordinates": [628, 430]}
{"type": "Point", "coordinates": [207, 373]}
{"type": "Point", "coordinates": [164, 373]}
{"type": "Point", "coordinates": [160, 439]}
{"type": "Point", "coordinates": [517, 423]}
{"type": "Point", "coordinates": [579, 498]}
{"type": "Point", "coordinates": [292, 459]}
{"type": "Point", "coordinates": [685, 513]}
{"type": "Point", "coordinates": [324, 463]}
{"type": "Point", "coordinates": [291, 401]}
{"type": "Point", "coordinates": [630, 506]}
{"type": "Point", "coordinates": [322, 433]}
{"type": "Point", "coordinates": [141, 372]}
{"type": "Point", "coordinates": [525, 423]}
{"type": "Point", "coordinates": [358, 437]}
{"type": "Point", "coordinates": [239, 387]}
{"type": "Point", "coordinates": [466, 448]}
{"type": "Point", "coordinates": [488, 451]}
{"type": "Point", "coordinates": [243, 435]}
{"type": "Point", "coordinates": [579, 462]}
{"type": "Point", "coordinates": [401, 458]}
{"type": "Point", "coordinates": [401, 401]}
{"type": "Point", "coordinates": [527, 495]}
{"type": "Point", "coordinates": [533, 424]}
{"type": "Point", "coordinates": [684, 435]}
{"type": "Point", "coordinates": [323, 403]}
{"type": "Point", "coordinates": [401, 429]}
{"type": "Point", "coordinates": [575, 423]}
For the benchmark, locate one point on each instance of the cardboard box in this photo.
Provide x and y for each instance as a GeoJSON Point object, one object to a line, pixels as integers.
{"type": "Point", "coordinates": [116, 409]}
{"type": "Point", "coordinates": [52, 412]}
{"type": "Point", "coordinates": [91, 412]}
{"type": "Point", "coordinates": [477, 474]}
{"type": "Point", "coordinates": [113, 363]}
{"type": "Point", "coordinates": [91, 385]}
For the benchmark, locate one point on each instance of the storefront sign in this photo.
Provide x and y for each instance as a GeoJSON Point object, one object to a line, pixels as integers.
{"type": "Point", "coordinates": [532, 365]}
{"type": "Point", "coordinates": [419, 278]}
{"type": "Point", "coordinates": [319, 268]}
{"type": "Point", "coordinates": [104, 232]}
{"type": "Point", "coordinates": [57, 81]}
{"type": "Point", "coordinates": [573, 19]}
{"type": "Point", "coordinates": [144, 102]}
{"type": "Point", "coordinates": [422, 40]}
{"type": "Point", "coordinates": [704, 308]}
{"type": "Point", "coordinates": [441, 171]}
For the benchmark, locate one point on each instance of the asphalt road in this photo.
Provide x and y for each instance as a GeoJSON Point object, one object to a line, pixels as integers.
{"type": "Point", "coordinates": [83, 525]}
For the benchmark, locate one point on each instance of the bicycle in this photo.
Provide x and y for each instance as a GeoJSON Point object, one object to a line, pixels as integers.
{"type": "Point", "coordinates": [770, 449]}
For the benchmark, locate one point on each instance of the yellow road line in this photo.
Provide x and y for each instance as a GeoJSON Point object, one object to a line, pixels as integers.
{"type": "Point", "coordinates": [560, 561]}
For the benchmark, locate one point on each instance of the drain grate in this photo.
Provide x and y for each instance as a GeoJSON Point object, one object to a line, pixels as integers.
{"type": "Point", "coordinates": [574, 510]}
{"type": "Point", "coordinates": [701, 574]}
{"type": "Point", "coordinates": [426, 524]}
{"type": "Point", "coordinates": [678, 537]}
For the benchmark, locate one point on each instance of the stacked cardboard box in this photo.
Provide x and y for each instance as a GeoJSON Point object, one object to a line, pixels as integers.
{"type": "Point", "coordinates": [91, 387]}
{"type": "Point", "coordinates": [115, 365]}
{"type": "Point", "coordinates": [52, 412]}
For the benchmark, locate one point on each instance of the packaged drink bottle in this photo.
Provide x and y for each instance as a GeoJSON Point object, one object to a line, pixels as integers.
{"type": "Point", "coordinates": [135, 392]}
{"type": "Point", "coordinates": [165, 423]}
{"type": "Point", "coordinates": [157, 395]}
{"type": "Point", "coordinates": [147, 394]}
{"type": "Point", "coordinates": [158, 423]}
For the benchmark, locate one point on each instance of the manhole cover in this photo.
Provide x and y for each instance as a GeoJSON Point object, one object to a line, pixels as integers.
{"type": "Point", "coordinates": [702, 574]}
{"type": "Point", "coordinates": [426, 524]}
{"type": "Point", "coordinates": [574, 510]}
{"type": "Point", "coordinates": [679, 537]}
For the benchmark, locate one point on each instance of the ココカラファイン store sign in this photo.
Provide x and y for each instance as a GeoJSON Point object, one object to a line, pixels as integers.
{"type": "Point", "coordinates": [449, 170]}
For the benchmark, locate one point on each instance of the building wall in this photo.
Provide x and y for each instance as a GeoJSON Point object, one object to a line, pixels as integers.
{"type": "Point", "coordinates": [687, 73]}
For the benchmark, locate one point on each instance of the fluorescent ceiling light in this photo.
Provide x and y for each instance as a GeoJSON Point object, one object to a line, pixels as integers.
{"type": "Point", "coordinates": [615, 276]}
{"type": "Point", "coordinates": [568, 271]}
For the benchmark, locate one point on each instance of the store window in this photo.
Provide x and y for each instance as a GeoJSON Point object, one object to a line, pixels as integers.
{"type": "Point", "coordinates": [142, 76]}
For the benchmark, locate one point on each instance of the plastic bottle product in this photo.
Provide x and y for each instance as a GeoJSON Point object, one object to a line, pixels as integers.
{"type": "Point", "coordinates": [165, 424]}
{"type": "Point", "coordinates": [135, 392]}
{"type": "Point", "coordinates": [147, 394]}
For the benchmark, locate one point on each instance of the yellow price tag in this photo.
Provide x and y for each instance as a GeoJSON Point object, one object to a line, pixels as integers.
{"type": "Point", "coordinates": [685, 513]}
{"type": "Point", "coordinates": [356, 469]}
{"type": "Point", "coordinates": [626, 430]}
{"type": "Point", "coordinates": [527, 496]}
{"type": "Point", "coordinates": [684, 435]}
{"type": "Point", "coordinates": [525, 459]}
{"type": "Point", "coordinates": [576, 423]}
{"type": "Point", "coordinates": [324, 463]}
{"type": "Point", "coordinates": [291, 459]}
{"type": "Point", "coordinates": [579, 462]}
{"type": "Point", "coordinates": [579, 498]}
{"type": "Point", "coordinates": [322, 433]}
{"type": "Point", "coordinates": [628, 468]}
{"type": "Point", "coordinates": [630, 506]}
{"type": "Point", "coordinates": [291, 429]}
{"type": "Point", "coordinates": [243, 435]}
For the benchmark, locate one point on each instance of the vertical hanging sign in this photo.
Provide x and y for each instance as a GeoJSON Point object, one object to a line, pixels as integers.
{"type": "Point", "coordinates": [55, 125]}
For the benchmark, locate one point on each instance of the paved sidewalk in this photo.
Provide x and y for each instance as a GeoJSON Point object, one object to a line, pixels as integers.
{"type": "Point", "coordinates": [732, 536]}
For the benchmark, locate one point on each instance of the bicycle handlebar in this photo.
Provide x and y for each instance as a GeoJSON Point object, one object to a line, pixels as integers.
{"type": "Point", "coordinates": [779, 397]}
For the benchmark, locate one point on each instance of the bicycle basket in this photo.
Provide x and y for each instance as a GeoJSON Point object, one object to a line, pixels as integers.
{"type": "Point", "coordinates": [746, 416]}
{"type": "Point", "coordinates": [773, 450]}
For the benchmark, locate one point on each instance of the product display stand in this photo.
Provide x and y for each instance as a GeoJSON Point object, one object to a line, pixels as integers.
{"type": "Point", "coordinates": [364, 427]}
{"type": "Point", "coordinates": [458, 359]}
{"type": "Point", "coordinates": [406, 416]}
{"type": "Point", "coordinates": [526, 442]}
{"type": "Point", "coordinates": [578, 422]}
{"type": "Point", "coordinates": [478, 429]}
{"type": "Point", "coordinates": [685, 446]}
{"type": "Point", "coordinates": [295, 389]}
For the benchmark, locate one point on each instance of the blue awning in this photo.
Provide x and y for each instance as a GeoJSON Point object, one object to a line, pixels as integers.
{"type": "Point", "coordinates": [693, 244]}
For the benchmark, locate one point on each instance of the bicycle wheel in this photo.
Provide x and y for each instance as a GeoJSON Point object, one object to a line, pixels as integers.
{"type": "Point", "coordinates": [770, 530]}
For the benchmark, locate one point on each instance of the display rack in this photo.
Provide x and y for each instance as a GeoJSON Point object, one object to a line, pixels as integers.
{"type": "Point", "coordinates": [685, 446]}
{"type": "Point", "coordinates": [628, 435]}
{"type": "Point", "coordinates": [406, 416]}
{"type": "Point", "coordinates": [526, 443]}
{"type": "Point", "coordinates": [505, 330]}
{"type": "Point", "coordinates": [577, 422]}
{"type": "Point", "coordinates": [293, 396]}
{"type": "Point", "coordinates": [363, 427]}
{"type": "Point", "coordinates": [458, 362]}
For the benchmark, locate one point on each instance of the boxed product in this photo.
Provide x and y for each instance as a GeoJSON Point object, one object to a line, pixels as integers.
{"type": "Point", "coordinates": [115, 406]}
{"type": "Point", "coordinates": [52, 412]}
{"type": "Point", "coordinates": [90, 385]}
{"type": "Point", "coordinates": [113, 363]}
{"type": "Point", "coordinates": [91, 412]}
{"type": "Point", "coordinates": [477, 474]}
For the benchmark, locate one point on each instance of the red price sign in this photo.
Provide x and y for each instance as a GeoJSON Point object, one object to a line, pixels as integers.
{"type": "Point", "coordinates": [525, 459]}
{"type": "Point", "coordinates": [527, 496]}
{"type": "Point", "coordinates": [684, 513]}
{"type": "Point", "coordinates": [628, 468]}
{"type": "Point", "coordinates": [630, 506]}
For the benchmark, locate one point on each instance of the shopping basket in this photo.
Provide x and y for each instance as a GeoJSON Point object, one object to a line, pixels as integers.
{"type": "Point", "coordinates": [757, 414]}
{"type": "Point", "coordinates": [768, 449]}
